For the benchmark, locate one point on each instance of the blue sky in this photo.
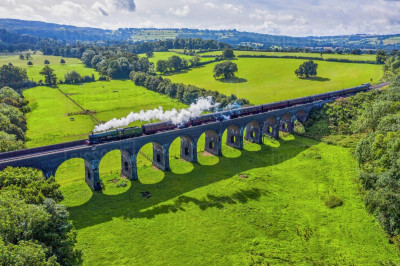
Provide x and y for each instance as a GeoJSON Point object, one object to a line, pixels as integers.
{"type": "Point", "coordinates": [282, 17]}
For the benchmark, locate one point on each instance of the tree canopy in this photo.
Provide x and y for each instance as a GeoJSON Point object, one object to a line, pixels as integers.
{"type": "Point", "coordinates": [50, 77]}
{"type": "Point", "coordinates": [307, 69]}
{"type": "Point", "coordinates": [227, 53]}
{"type": "Point", "coordinates": [225, 69]}
{"type": "Point", "coordinates": [13, 76]}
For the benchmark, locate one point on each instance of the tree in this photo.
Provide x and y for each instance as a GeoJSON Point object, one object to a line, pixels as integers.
{"type": "Point", "coordinates": [175, 63]}
{"type": "Point", "coordinates": [30, 63]}
{"type": "Point", "coordinates": [307, 69]}
{"type": "Point", "coordinates": [50, 77]}
{"type": "Point", "coordinates": [87, 57]}
{"type": "Point", "coordinates": [225, 69]}
{"type": "Point", "coordinates": [227, 53]}
{"type": "Point", "coordinates": [46, 62]}
{"type": "Point", "coordinates": [30, 212]}
{"type": "Point", "coordinates": [27, 56]}
{"type": "Point", "coordinates": [194, 61]}
{"type": "Point", "coordinates": [162, 66]}
{"type": "Point", "coordinates": [381, 56]}
{"type": "Point", "coordinates": [12, 76]}
{"type": "Point", "coordinates": [150, 54]}
{"type": "Point", "coordinates": [62, 61]}
{"type": "Point", "coordinates": [21, 56]}
{"type": "Point", "coordinates": [72, 77]}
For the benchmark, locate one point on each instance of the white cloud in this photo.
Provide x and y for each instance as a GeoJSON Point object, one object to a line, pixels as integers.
{"type": "Point", "coordinates": [286, 17]}
{"type": "Point", "coordinates": [179, 12]}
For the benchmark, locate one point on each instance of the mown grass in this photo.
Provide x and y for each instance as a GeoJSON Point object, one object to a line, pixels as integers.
{"type": "Point", "coordinates": [363, 57]}
{"type": "Point", "coordinates": [264, 204]}
{"type": "Point", "coordinates": [49, 122]}
{"type": "Point", "coordinates": [117, 98]}
{"type": "Point", "coordinates": [38, 64]}
{"type": "Point", "coordinates": [263, 80]}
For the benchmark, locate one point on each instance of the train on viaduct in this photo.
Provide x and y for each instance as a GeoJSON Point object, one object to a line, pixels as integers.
{"type": "Point", "coordinates": [249, 127]}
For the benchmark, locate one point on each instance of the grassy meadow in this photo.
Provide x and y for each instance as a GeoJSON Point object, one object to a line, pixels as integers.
{"type": "Point", "coordinates": [264, 80]}
{"type": "Point", "coordinates": [363, 57]}
{"type": "Point", "coordinates": [49, 122]}
{"type": "Point", "coordinates": [38, 63]}
{"type": "Point", "coordinates": [264, 204]}
{"type": "Point", "coordinates": [117, 98]}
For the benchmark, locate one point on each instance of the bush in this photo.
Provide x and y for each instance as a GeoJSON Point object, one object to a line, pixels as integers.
{"type": "Point", "coordinates": [333, 201]}
{"type": "Point", "coordinates": [46, 62]}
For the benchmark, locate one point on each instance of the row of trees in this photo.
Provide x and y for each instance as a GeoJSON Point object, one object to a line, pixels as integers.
{"type": "Point", "coordinates": [116, 65]}
{"type": "Point", "coordinates": [12, 120]}
{"type": "Point", "coordinates": [185, 93]}
{"type": "Point", "coordinates": [176, 63]}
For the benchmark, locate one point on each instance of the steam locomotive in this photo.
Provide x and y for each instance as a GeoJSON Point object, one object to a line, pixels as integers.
{"type": "Point", "coordinates": [148, 129]}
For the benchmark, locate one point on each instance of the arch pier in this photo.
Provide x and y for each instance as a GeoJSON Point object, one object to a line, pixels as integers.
{"type": "Point", "coordinates": [254, 132]}
{"type": "Point", "coordinates": [49, 158]}
{"type": "Point", "coordinates": [213, 143]}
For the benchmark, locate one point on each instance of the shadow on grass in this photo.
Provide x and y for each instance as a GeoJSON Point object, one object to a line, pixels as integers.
{"type": "Point", "coordinates": [233, 80]}
{"type": "Point", "coordinates": [320, 79]}
{"type": "Point", "coordinates": [103, 208]}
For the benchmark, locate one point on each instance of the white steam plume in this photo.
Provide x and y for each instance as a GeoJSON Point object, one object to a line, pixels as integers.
{"type": "Point", "coordinates": [176, 117]}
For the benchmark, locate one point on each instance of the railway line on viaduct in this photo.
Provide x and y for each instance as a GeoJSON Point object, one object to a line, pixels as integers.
{"type": "Point", "coordinates": [250, 128]}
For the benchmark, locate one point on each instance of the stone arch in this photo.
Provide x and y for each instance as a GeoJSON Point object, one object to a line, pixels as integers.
{"type": "Point", "coordinates": [301, 116]}
{"type": "Point", "coordinates": [286, 123]}
{"type": "Point", "coordinates": [161, 156]}
{"type": "Point", "coordinates": [188, 149]}
{"type": "Point", "coordinates": [271, 127]}
{"type": "Point", "coordinates": [234, 136]}
{"type": "Point", "coordinates": [254, 132]}
{"type": "Point", "coordinates": [212, 143]}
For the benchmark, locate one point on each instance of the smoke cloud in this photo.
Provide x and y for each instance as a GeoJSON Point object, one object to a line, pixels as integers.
{"type": "Point", "coordinates": [174, 116]}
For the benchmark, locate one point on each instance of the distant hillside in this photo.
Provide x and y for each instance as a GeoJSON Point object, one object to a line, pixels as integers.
{"type": "Point", "coordinates": [233, 37]}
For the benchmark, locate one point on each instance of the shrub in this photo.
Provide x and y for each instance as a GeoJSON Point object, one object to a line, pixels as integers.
{"type": "Point", "coordinates": [333, 201]}
{"type": "Point", "coordinates": [46, 62]}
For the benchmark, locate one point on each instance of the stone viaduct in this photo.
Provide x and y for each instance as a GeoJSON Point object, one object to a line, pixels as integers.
{"type": "Point", "coordinates": [49, 159]}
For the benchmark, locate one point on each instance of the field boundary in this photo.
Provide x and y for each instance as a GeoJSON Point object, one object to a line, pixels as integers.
{"type": "Point", "coordinates": [83, 109]}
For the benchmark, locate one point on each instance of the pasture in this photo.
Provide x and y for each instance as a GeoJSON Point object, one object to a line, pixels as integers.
{"type": "Point", "coordinates": [50, 122]}
{"type": "Point", "coordinates": [264, 204]}
{"type": "Point", "coordinates": [38, 63]}
{"type": "Point", "coordinates": [363, 57]}
{"type": "Point", "coordinates": [264, 80]}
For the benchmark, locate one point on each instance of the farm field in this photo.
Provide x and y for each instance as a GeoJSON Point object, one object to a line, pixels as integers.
{"type": "Point", "coordinates": [264, 80]}
{"type": "Point", "coordinates": [49, 123]}
{"type": "Point", "coordinates": [38, 63]}
{"type": "Point", "coordinates": [264, 204]}
{"type": "Point", "coordinates": [363, 57]}
{"type": "Point", "coordinates": [117, 98]}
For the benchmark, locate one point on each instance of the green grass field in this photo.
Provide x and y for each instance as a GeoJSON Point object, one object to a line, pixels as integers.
{"type": "Point", "coordinates": [263, 80]}
{"type": "Point", "coordinates": [38, 64]}
{"type": "Point", "coordinates": [116, 98]}
{"type": "Point", "coordinates": [49, 123]}
{"type": "Point", "coordinates": [363, 57]}
{"type": "Point", "coordinates": [264, 204]}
